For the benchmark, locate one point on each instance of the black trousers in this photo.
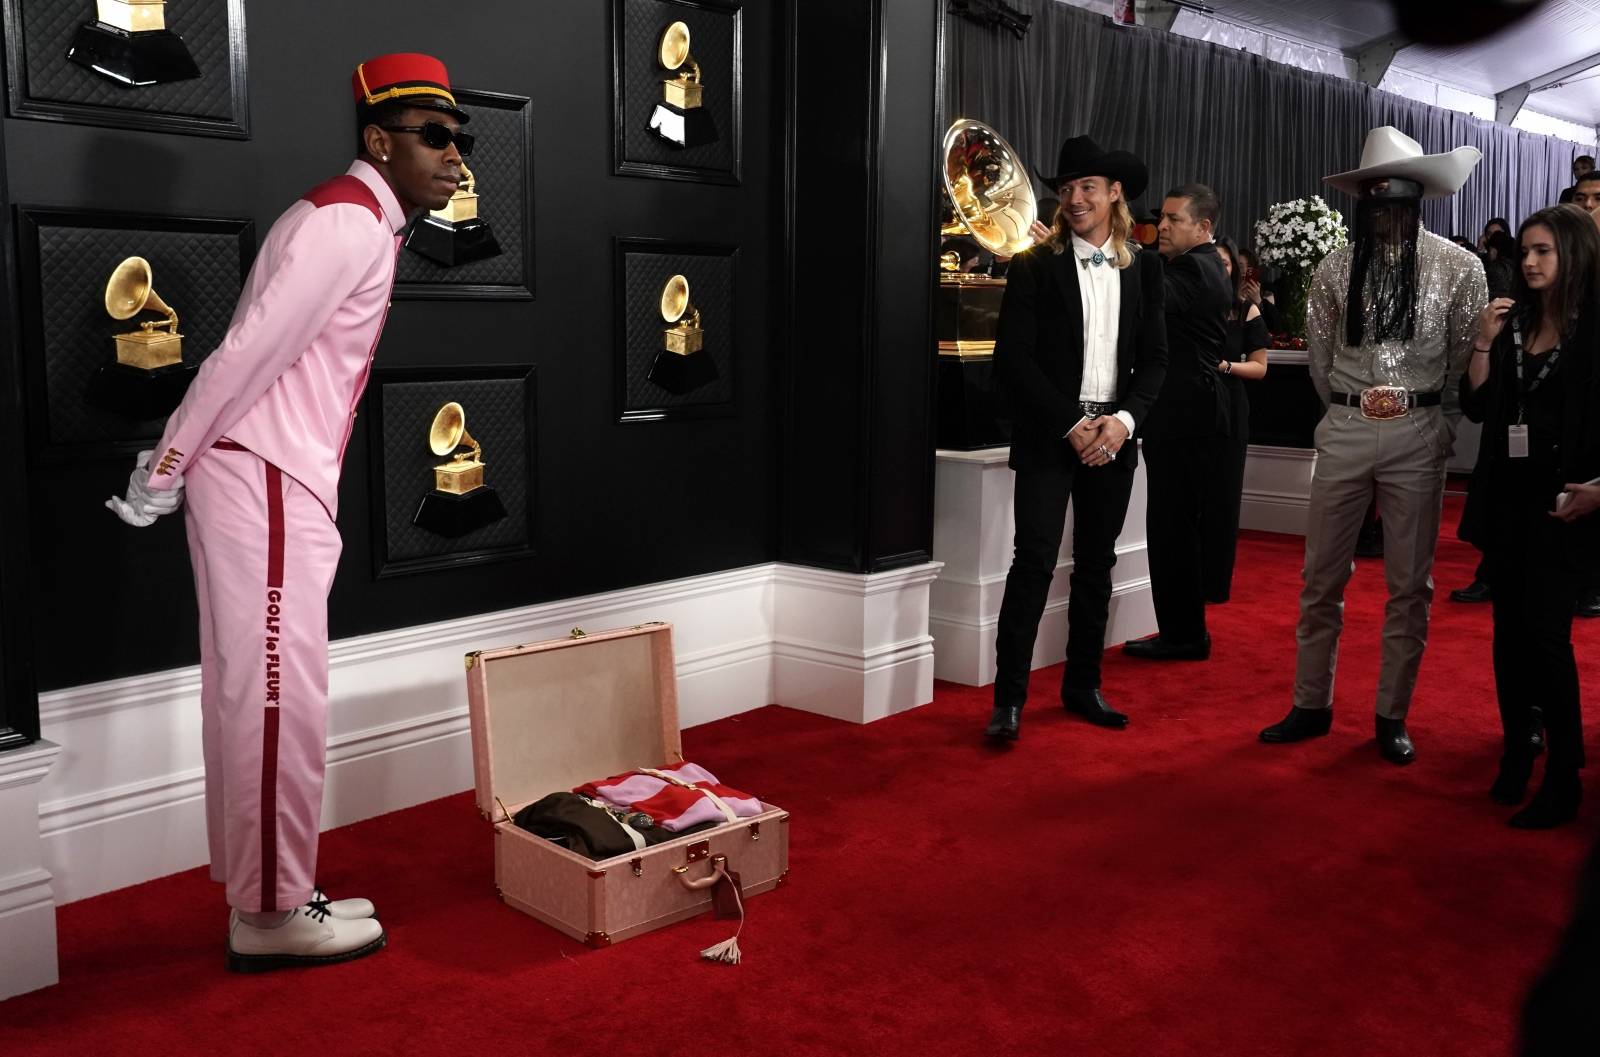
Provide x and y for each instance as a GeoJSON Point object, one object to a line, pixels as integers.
{"type": "Point", "coordinates": [1533, 593]}
{"type": "Point", "coordinates": [1099, 498]}
{"type": "Point", "coordinates": [1219, 517]}
{"type": "Point", "coordinates": [1179, 474]}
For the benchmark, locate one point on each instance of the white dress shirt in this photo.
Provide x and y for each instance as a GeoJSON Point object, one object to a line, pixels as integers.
{"type": "Point", "coordinates": [1100, 290]}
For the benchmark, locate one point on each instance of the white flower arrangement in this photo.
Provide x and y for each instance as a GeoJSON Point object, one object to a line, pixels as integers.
{"type": "Point", "coordinates": [1296, 235]}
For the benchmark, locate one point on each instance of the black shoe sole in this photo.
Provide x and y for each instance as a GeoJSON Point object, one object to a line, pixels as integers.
{"type": "Point", "coordinates": [1397, 759]}
{"type": "Point", "coordinates": [1103, 722]}
{"type": "Point", "coordinates": [266, 963]}
{"type": "Point", "coordinates": [1002, 735]}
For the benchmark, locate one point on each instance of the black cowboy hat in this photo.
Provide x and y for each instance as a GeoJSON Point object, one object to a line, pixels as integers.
{"type": "Point", "coordinates": [1082, 156]}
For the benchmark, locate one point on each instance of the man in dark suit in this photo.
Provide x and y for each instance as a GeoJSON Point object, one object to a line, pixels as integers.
{"type": "Point", "coordinates": [1081, 352]}
{"type": "Point", "coordinates": [1181, 435]}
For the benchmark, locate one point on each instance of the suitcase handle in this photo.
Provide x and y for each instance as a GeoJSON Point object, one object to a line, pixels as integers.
{"type": "Point", "coordinates": [719, 865]}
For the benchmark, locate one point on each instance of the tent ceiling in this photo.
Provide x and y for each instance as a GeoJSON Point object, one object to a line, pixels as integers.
{"type": "Point", "coordinates": [1559, 33]}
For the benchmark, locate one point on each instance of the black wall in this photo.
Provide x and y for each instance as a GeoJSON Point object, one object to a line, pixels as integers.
{"type": "Point", "coordinates": [618, 504]}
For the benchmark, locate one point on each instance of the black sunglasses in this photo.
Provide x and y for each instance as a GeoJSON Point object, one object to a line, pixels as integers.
{"type": "Point", "coordinates": [437, 136]}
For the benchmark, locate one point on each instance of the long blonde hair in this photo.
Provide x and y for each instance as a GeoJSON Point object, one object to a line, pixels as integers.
{"type": "Point", "coordinates": [1122, 244]}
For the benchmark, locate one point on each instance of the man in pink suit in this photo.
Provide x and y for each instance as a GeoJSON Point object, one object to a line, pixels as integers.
{"type": "Point", "coordinates": [257, 446]}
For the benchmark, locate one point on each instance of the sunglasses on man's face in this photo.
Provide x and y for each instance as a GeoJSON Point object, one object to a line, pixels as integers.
{"type": "Point", "coordinates": [437, 136]}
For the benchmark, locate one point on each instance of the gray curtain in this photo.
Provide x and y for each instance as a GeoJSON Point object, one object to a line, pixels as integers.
{"type": "Point", "coordinates": [1255, 131]}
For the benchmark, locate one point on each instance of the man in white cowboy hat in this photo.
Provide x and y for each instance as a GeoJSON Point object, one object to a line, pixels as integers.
{"type": "Point", "coordinates": [1389, 327]}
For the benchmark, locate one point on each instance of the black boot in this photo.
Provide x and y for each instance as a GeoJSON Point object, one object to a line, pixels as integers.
{"type": "Point", "coordinates": [1005, 724]}
{"type": "Point", "coordinates": [1092, 705]}
{"type": "Point", "coordinates": [1511, 784]}
{"type": "Point", "coordinates": [1556, 802]}
{"type": "Point", "coordinates": [1299, 724]}
{"type": "Point", "coordinates": [1394, 744]}
{"type": "Point", "coordinates": [1476, 591]}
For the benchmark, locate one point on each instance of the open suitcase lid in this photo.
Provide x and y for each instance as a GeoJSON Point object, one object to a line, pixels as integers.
{"type": "Point", "coordinates": [549, 716]}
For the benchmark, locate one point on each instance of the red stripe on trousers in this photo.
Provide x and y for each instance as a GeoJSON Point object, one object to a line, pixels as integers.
{"type": "Point", "coordinates": [269, 726]}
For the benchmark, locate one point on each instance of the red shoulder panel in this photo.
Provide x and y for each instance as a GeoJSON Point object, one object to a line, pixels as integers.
{"type": "Point", "coordinates": [344, 189]}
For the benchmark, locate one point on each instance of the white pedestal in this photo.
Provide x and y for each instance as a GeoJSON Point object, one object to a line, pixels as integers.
{"type": "Point", "coordinates": [973, 530]}
{"type": "Point", "coordinates": [853, 646]}
{"type": "Point", "coordinates": [1277, 489]}
{"type": "Point", "coordinates": [27, 902]}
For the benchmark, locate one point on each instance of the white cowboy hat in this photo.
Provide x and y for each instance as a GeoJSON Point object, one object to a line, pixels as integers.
{"type": "Point", "coordinates": [1390, 152]}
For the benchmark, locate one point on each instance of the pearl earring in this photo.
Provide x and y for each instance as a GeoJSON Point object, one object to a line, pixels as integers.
{"type": "Point", "coordinates": [385, 157]}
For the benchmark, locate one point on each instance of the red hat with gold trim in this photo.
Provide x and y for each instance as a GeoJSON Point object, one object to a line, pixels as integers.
{"type": "Point", "coordinates": [410, 78]}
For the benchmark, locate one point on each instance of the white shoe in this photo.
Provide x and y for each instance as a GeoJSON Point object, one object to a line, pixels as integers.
{"type": "Point", "coordinates": [344, 909]}
{"type": "Point", "coordinates": [311, 936]}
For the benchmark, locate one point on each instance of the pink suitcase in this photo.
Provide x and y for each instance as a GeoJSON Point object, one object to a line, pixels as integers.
{"type": "Point", "coordinates": [552, 715]}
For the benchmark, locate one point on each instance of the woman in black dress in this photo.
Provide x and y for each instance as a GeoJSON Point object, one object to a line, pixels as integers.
{"type": "Point", "coordinates": [1532, 381]}
{"type": "Point", "coordinates": [1245, 357]}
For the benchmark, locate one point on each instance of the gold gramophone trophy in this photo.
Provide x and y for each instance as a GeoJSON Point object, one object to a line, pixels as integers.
{"type": "Point", "coordinates": [454, 234]}
{"type": "Point", "coordinates": [991, 202]}
{"type": "Point", "coordinates": [682, 364]}
{"type": "Point", "coordinates": [148, 378]}
{"type": "Point", "coordinates": [460, 502]}
{"type": "Point", "coordinates": [679, 118]}
{"type": "Point", "coordinates": [130, 291]}
{"type": "Point", "coordinates": [129, 44]}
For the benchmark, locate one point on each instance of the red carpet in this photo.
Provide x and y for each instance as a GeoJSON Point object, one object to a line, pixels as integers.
{"type": "Point", "coordinates": [1174, 889]}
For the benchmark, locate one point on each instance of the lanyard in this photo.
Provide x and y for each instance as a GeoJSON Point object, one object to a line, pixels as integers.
{"type": "Point", "coordinates": [1550, 361]}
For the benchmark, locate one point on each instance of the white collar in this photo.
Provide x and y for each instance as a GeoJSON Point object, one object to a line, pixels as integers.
{"type": "Point", "coordinates": [1083, 249]}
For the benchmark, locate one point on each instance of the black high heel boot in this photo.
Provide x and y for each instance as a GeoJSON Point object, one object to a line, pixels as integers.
{"type": "Point", "coordinates": [1511, 784]}
{"type": "Point", "coordinates": [1556, 802]}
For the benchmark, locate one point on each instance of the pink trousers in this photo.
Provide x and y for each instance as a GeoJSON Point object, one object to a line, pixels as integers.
{"type": "Point", "coordinates": [264, 553]}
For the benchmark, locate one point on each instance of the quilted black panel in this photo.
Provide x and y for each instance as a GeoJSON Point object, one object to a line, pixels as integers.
{"type": "Point", "coordinates": [48, 27]}
{"type": "Point", "coordinates": [198, 274]}
{"type": "Point", "coordinates": [499, 163]}
{"type": "Point", "coordinates": [711, 42]}
{"type": "Point", "coordinates": [710, 277]}
{"type": "Point", "coordinates": [496, 416]}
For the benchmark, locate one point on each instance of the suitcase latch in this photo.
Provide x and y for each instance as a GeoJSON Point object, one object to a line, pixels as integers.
{"type": "Point", "coordinates": [638, 867]}
{"type": "Point", "coordinates": [700, 849]}
{"type": "Point", "coordinates": [755, 831]}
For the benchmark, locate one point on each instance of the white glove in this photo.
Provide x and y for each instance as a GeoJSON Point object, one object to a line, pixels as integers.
{"type": "Point", "coordinates": [143, 504]}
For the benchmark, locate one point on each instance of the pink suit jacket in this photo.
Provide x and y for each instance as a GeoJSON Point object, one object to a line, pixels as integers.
{"type": "Point", "coordinates": [285, 381]}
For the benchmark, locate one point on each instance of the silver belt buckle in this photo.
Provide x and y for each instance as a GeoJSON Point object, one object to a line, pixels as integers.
{"type": "Point", "coordinates": [1385, 402]}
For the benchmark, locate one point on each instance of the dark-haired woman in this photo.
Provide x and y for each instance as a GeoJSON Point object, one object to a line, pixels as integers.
{"type": "Point", "coordinates": [1245, 357]}
{"type": "Point", "coordinates": [1532, 382]}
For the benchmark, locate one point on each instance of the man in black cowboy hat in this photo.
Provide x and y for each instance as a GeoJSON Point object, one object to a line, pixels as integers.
{"type": "Point", "coordinates": [1081, 352]}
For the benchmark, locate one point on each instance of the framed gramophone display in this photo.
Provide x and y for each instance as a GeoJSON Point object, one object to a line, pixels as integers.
{"type": "Point", "coordinates": [480, 245]}
{"type": "Point", "coordinates": [676, 311]}
{"type": "Point", "coordinates": [106, 358]}
{"type": "Point", "coordinates": [988, 199]}
{"type": "Point", "coordinates": [677, 88]}
{"type": "Point", "coordinates": [152, 65]}
{"type": "Point", "coordinates": [451, 457]}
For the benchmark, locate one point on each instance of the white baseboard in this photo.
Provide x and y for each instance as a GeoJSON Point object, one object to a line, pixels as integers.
{"type": "Point", "coordinates": [126, 803]}
{"type": "Point", "coordinates": [1277, 489]}
{"type": "Point", "coordinates": [27, 897]}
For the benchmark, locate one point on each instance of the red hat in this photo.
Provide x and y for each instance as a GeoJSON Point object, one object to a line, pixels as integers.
{"type": "Point", "coordinates": [416, 80]}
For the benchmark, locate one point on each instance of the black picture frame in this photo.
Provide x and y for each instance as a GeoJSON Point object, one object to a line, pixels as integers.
{"type": "Point", "coordinates": [19, 692]}
{"type": "Point", "coordinates": [122, 438]}
{"type": "Point", "coordinates": [384, 567]}
{"type": "Point", "coordinates": [628, 359]}
{"type": "Point", "coordinates": [441, 286]}
{"type": "Point", "coordinates": [25, 100]}
{"type": "Point", "coordinates": [628, 111]}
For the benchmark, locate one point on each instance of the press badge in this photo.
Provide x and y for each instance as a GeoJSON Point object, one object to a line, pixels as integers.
{"type": "Point", "coordinates": [1517, 441]}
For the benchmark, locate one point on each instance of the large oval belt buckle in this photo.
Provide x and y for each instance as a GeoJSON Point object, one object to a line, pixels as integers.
{"type": "Point", "coordinates": [1384, 402]}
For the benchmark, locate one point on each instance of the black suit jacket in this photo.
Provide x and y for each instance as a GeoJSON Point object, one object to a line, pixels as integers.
{"type": "Point", "coordinates": [1038, 353]}
{"type": "Point", "coordinates": [1198, 298]}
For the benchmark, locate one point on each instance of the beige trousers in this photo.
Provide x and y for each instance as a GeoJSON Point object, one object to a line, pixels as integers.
{"type": "Point", "coordinates": [1402, 459]}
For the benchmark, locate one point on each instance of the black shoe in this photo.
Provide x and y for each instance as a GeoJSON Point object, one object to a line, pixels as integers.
{"type": "Point", "coordinates": [1005, 724]}
{"type": "Point", "coordinates": [1511, 784]}
{"type": "Point", "coordinates": [1091, 705]}
{"type": "Point", "coordinates": [1298, 725]}
{"type": "Point", "coordinates": [1588, 604]}
{"type": "Point", "coordinates": [1155, 648]}
{"type": "Point", "coordinates": [1394, 744]}
{"type": "Point", "coordinates": [1476, 591]}
{"type": "Point", "coordinates": [1555, 804]}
